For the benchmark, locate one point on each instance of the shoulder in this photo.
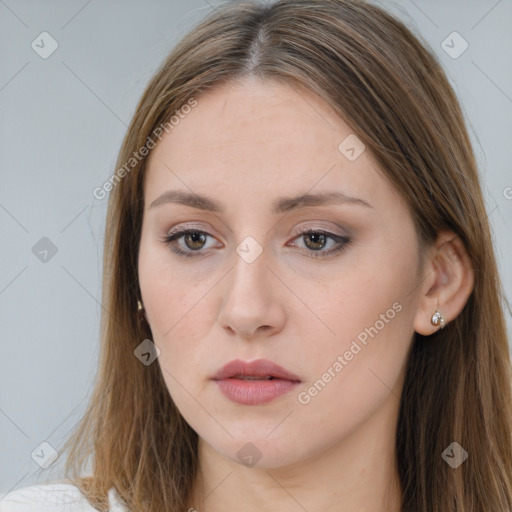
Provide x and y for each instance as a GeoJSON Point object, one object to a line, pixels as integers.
{"type": "Point", "coordinates": [51, 497]}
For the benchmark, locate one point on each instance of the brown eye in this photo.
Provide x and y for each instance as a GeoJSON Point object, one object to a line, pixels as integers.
{"type": "Point", "coordinates": [317, 241]}
{"type": "Point", "coordinates": [194, 240]}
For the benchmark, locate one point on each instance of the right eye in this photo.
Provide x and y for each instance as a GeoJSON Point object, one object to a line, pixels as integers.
{"type": "Point", "coordinates": [194, 240]}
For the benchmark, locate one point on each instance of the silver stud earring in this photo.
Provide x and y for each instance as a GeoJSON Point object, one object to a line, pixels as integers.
{"type": "Point", "coordinates": [438, 320]}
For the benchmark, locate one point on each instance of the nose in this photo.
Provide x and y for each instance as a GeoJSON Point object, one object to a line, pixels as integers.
{"type": "Point", "coordinates": [252, 307]}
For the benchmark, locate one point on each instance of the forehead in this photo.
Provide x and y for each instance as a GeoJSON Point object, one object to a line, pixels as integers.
{"type": "Point", "coordinates": [253, 137]}
{"type": "Point", "coordinates": [249, 113]}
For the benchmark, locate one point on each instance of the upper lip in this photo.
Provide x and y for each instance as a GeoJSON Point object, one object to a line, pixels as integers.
{"type": "Point", "coordinates": [258, 368]}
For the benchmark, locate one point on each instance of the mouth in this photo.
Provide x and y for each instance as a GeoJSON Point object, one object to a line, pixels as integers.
{"type": "Point", "coordinates": [251, 377]}
{"type": "Point", "coordinates": [260, 369]}
{"type": "Point", "coordinates": [254, 383]}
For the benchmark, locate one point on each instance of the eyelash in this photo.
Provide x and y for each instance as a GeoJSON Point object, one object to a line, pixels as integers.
{"type": "Point", "coordinates": [343, 242]}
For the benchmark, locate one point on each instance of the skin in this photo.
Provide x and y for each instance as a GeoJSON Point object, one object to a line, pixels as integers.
{"type": "Point", "coordinates": [244, 145]}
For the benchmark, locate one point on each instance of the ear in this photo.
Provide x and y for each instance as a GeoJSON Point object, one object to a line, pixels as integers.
{"type": "Point", "coordinates": [448, 281]}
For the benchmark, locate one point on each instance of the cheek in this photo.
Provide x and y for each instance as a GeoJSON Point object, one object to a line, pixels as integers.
{"type": "Point", "coordinates": [172, 300]}
{"type": "Point", "coordinates": [350, 380]}
{"type": "Point", "coordinates": [180, 318]}
{"type": "Point", "coordinates": [358, 300]}
{"type": "Point", "coordinates": [174, 310]}
{"type": "Point", "coordinates": [370, 318]}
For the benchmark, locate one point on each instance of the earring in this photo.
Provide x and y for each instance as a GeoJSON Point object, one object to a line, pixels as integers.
{"type": "Point", "coordinates": [438, 320]}
{"type": "Point", "coordinates": [140, 310]}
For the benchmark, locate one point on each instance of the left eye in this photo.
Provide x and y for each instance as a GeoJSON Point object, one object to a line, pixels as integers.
{"type": "Point", "coordinates": [316, 241]}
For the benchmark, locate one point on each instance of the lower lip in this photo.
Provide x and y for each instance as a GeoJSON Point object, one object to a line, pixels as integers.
{"type": "Point", "coordinates": [254, 392]}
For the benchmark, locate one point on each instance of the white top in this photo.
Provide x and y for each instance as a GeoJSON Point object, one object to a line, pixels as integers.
{"type": "Point", "coordinates": [52, 497]}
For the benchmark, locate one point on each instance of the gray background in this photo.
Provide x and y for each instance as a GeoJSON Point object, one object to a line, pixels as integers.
{"type": "Point", "coordinates": [62, 120]}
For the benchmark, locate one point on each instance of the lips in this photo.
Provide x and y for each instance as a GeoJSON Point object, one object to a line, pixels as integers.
{"type": "Point", "coordinates": [254, 383]}
{"type": "Point", "coordinates": [255, 370]}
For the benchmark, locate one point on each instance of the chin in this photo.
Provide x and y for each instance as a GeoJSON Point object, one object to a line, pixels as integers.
{"type": "Point", "coordinates": [261, 451]}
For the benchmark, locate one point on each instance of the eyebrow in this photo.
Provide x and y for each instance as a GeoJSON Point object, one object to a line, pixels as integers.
{"type": "Point", "coordinates": [281, 205]}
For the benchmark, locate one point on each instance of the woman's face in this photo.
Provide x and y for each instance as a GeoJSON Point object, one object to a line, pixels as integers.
{"type": "Point", "coordinates": [334, 308]}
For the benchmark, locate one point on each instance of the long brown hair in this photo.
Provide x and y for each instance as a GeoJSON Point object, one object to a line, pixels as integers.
{"type": "Point", "coordinates": [391, 90]}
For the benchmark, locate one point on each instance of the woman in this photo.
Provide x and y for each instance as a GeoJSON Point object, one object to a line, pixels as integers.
{"type": "Point", "coordinates": [303, 303]}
